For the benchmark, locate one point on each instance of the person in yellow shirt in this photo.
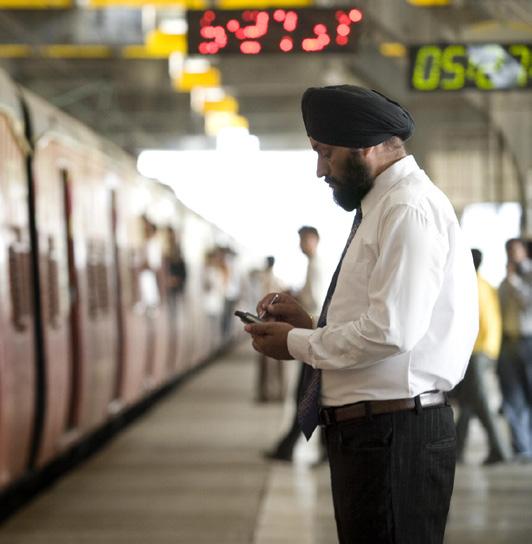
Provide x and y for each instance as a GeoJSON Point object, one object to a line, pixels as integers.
{"type": "Point", "coordinates": [473, 392]}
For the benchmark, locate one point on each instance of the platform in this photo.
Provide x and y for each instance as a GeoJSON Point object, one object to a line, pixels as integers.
{"type": "Point", "coordinates": [190, 471]}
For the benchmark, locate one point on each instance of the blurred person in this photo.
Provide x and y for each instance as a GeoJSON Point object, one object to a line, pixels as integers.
{"type": "Point", "coordinates": [150, 267]}
{"type": "Point", "coordinates": [175, 276]}
{"type": "Point", "coordinates": [472, 393]}
{"type": "Point", "coordinates": [515, 362]}
{"type": "Point", "coordinates": [270, 375]}
{"type": "Point", "coordinates": [233, 289]}
{"type": "Point", "coordinates": [396, 329]}
{"type": "Point", "coordinates": [311, 297]}
{"type": "Point", "coordinates": [214, 295]}
{"type": "Point", "coordinates": [150, 286]}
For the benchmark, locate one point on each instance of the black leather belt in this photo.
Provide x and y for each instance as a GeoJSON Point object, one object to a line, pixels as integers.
{"type": "Point", "coordinates": [368, 408]}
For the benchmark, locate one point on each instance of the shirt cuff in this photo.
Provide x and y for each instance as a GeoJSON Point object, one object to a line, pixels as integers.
{"type": "Point", "coordinates": [298, 343]}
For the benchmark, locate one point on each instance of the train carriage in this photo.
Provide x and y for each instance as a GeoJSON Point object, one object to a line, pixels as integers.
{"type": "Point", "coordinates": [83, 339]}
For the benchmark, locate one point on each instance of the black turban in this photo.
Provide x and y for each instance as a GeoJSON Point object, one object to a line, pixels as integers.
{"type": "Point", "coordinates": [349, 116]}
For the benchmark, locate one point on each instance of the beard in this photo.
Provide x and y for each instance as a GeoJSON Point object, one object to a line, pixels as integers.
{"type": "Point", "coordinates": [350, 189]}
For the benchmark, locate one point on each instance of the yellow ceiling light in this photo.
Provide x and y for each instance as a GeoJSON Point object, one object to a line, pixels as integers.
{"type": "Point", "coordinates": [188, 80]}
{"type": "Point", "coordinates": [69, 51]}
{"type": "Point", "coordinates": [163, 45]}
{"type": "Point", "coordinates": [200, 95]}
{"type": "Point", "coordinates": [228, 104]}
{"type": "Point", "coordinates": [9, 51]}
{"type": "Point", "coordinates": [35, 4]}
{"type": "Point", "coordinates": [430, 3]}
{"type": "Point", "coordinates": [140, 52]}
{"type": "Point", "coordinates": [392, 49]}
{"type": "Point", "coordinates": [216, 121]}
{"type": "Point", "coordinates": [262, 4]}
{"type": "Point", "coordinates": [190, 4]}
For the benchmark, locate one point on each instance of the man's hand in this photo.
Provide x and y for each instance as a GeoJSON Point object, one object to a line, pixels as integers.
{"type": "Point", "coordinates": [286, 309]}
{"type": "Point", "coordinates": [271, 338]}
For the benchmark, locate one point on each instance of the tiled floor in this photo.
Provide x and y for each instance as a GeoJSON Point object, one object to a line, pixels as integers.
{"type": "Point", "coordinates": [190, 472]}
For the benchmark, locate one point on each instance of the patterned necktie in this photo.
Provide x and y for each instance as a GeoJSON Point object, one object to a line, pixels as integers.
{"type": "Point", "coordinates": [309, 401]}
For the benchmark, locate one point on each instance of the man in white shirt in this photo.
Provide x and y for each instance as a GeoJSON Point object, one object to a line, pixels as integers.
{"type": "Point", "coordinates": [310, 296]}
{"type": "Point", "coordinates": [396, 331]}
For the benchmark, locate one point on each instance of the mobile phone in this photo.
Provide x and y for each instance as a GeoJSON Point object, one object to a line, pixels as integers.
{"type": "Point", "coordinates": [246, 317]}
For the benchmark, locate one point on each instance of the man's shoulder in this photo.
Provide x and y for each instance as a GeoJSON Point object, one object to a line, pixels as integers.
{"type": "Point", "coordinates": [418, 192]}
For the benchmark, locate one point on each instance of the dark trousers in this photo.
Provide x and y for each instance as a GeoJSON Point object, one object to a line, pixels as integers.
{"type": "Point", "coordinates": [473, 400]}
{"type": "Point", "coordinates": [392, 476]}
{"type": "Point", "coordinates": [515, 376]}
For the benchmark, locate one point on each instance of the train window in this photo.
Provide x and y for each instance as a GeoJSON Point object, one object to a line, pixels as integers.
{"type": "Point", "coordinates": [92, 279]}
{"type": "Point", "coordinates": [54, 303]}
{"type": "Point", "coordinates": [103, 285]}
{"type": "Point", "coordinates": [98, 284]}
{"type": "Point", "coordinates": [19, 282]}
{"type": "Point", "coordinates": [134, 272]}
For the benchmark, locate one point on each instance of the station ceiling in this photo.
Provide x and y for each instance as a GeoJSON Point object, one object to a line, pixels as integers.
{"type": "Point", "coordinates": [130, 98]}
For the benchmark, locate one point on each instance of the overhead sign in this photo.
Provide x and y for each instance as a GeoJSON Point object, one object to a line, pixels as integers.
{"type": "Point", "coordinates": [481, 66]}
{"type": "Point", "coordinates": [274, 31]}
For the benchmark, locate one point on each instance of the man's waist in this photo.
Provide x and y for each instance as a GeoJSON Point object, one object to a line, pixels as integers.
{"type": "Point", "coordinates": [369, 408]}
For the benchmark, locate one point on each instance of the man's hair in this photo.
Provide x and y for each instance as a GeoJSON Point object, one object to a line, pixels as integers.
{"type": "Point", "coordinates": [394, 144]}
{"type": "Point", "coordinates": [477, 257]}
{"type": "Point", "coordinates": [270, 261]}
{"type": "Point", "coordinates": [306, 229]}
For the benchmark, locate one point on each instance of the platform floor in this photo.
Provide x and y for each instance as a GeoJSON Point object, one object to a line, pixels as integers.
{"type": "Point", "coordinates": [191, 472]}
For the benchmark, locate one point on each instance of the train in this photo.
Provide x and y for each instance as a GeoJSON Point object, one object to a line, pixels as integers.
{"type": "Point", "coordinates": [83, 339]}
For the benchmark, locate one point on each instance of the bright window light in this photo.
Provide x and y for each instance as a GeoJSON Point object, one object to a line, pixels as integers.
{"type": "Point", "coordinates": [237, 139]}
{"type": "Point", "coordinates": [260, 198]}
{"type": "Point", "coordinates": [487, 226]}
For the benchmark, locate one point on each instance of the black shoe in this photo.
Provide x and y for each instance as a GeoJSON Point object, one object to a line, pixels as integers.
{"type": "Point", "coordinates": [277, 456]}
{"type": "Point", "coordinates": [493, 460]}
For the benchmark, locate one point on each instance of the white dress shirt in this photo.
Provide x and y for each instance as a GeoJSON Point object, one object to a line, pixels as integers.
{"type": "Point", "coordinates": [404, 316]}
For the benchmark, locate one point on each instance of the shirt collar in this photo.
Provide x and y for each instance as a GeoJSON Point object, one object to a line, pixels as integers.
{"type": "Point", "coordinates": [386, 180]}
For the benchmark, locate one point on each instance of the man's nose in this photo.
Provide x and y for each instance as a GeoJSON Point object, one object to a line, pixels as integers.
{"type": "Point", "coordinates": [321, 168]}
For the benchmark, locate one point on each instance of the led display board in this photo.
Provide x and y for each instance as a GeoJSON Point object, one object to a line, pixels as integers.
{"type": "Point", "coordinates": [273, 31]}
{"type": "Point", "coordinates": [481, 66]}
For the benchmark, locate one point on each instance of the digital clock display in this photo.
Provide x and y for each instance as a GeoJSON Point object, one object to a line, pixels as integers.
{"type": "Point", "coordinates": [485, 67]}
{"type": "Point", "coordinates": [280, 31]}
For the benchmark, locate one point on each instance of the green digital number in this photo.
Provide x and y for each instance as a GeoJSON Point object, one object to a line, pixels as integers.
{"type": "Point", "coordinates": [523, 53]}
{"type": "Point", "coordinates": [427, 68]}
{"type": "Point", "coordinates": [453, 67]}
{"type": "Point", "coordinates": [482, 81]}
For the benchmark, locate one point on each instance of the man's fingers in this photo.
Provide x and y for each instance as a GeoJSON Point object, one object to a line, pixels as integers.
{"type": "Point", "coordinates": [265, 301]}
{"type": "Point", "coordinates": [257, 329]}
{"type": "Point", "coordinates": [279, 309]}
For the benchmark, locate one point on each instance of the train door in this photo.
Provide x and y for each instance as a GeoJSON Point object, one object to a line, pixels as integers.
{"type": "Point", "coordinates": [95, 300]}
{"type": "Point", "coordinates": [130, 241]}
{"type": "Point", "coordinates": [17, 345]}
